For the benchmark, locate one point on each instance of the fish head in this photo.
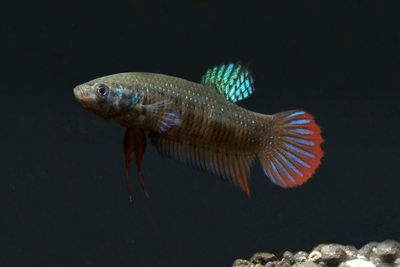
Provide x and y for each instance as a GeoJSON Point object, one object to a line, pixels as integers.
{"type": "Point", "coordinates": [107, 97]}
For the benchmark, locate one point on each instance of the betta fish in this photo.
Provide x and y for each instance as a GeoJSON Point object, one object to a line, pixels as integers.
{"type": "Point", "coordinates": [200, 125]}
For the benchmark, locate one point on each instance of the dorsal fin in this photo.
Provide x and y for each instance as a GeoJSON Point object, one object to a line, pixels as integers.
{"type": "Point", "coordinates": [234, 81]}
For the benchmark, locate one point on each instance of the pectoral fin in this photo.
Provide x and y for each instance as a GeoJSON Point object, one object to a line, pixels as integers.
{"type": "Point", "coordinates": [161, 115]}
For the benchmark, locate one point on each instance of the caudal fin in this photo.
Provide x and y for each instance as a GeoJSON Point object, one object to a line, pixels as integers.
{"type": "Point", "coordinates": [292, 152]}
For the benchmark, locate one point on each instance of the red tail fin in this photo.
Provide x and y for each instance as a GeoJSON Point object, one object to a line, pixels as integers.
{"type": "Point", "coordinates": [293, 152]}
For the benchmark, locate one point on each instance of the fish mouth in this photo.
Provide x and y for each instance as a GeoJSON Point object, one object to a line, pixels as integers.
{"type": "Point", "coordinates": [78, 93]}
{"type": "Point", "coordinates": [82, 97]}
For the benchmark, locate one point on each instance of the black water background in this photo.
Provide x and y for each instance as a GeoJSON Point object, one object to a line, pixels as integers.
{"type": "Point", "coordinates": [63, 199]}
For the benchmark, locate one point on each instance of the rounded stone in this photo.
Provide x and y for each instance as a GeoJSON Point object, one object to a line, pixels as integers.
{"type": "Point", "coordinates": [287, 256]}
{"type": "Point", "coordinates": [351, 252]}
{"type": "Point", "coordinates": [332, 255]}
{"type": "Point", "coordinates": [315, 256]}
{"type": "Point", "coordinates": [318, 248]}
{"type": "Point", "coordinates": [357, 263]}
{"type": "Point", "coordinates": [241, 263]}
{"type": "Point", "coordinates": [366, 250]}
{"type": "Point", "coordinates": [300, 256]}
{"type": "Point", "coordinates": [263, 257]}
{"type": "Point", "coordinates": [385, 252]}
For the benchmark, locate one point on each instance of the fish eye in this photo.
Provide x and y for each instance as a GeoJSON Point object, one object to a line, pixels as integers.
{"type": "Point", "coordinates": [102, 90]}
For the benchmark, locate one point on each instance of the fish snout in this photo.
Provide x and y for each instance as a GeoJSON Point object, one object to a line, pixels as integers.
{"type": "Point", "coordinates": [82, 96]}
{"type": "Point", "coordinates": [78, 93]}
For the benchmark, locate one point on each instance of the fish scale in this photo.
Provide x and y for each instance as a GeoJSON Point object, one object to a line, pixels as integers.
{"type": "Point", "coordinates": [208, 120]}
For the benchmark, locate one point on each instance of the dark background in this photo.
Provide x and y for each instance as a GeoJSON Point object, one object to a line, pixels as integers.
{"type": "Point", "coordinates": [63, 198]}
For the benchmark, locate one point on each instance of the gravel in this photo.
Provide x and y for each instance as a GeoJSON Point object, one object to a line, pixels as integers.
{"type": "Point", "coordinates": [373, 254]}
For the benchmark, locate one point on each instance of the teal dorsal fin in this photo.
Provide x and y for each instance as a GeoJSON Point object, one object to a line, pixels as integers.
{"type": "Point", "coordinates": [234, 81]}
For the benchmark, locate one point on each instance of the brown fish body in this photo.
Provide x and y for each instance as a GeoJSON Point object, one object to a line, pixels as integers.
{"type": "Point", "coordinates": [201, 126]}
{"type": "Point", "coordinates": [206, 117]}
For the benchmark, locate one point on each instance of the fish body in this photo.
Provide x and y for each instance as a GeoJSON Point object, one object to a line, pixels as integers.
{"type": "Point", "coordinates": [200, 125]}
{"type": "Point", "coordinates": [205, 116]}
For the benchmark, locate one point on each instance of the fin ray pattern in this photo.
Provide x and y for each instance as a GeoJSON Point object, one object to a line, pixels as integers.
{"type": "Point", "coordinates": [233, 81]}
{"type": "Point", "coordinates": [230, 165]}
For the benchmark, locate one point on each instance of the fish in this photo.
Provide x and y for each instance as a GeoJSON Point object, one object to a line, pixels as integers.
{"type": "Point", "coordinates": [201, 125]}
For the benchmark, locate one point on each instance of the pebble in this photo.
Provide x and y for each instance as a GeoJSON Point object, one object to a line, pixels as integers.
{"type": "Point", "coordinates": [315, 256]}
{"type": "Point", "coordinates": [365, 251]}
{"type": "Point", "coordinates": [287, 255]}
{"type": "Point", "coordinates": [332, 255]}
{"type": "Point", "coordinates": [357, 263]}
{"type": "Point", "coordinates": [385, 252]}
{"type": "Point", "coordinates": [373, 254]}
{"type": "Point", "coordinates": [350, 251]}
{"type": "Point", "coordinates": [240, 263]}
{"type": "Point", "coordinates": [300, 256]}
{"type": "Point", "coordinates": [263, 258]}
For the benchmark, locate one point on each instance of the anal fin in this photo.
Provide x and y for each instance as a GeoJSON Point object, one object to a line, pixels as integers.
{"type": "Point", "coordinates": [230, 165]}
